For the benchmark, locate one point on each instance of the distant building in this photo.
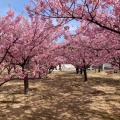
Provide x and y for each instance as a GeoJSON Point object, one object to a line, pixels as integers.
{"type": "Point", "coordinates": [67, 67]}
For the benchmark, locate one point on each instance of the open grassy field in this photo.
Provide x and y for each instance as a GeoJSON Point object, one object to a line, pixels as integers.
{"type": "Point", "coordinates": [63, 96]}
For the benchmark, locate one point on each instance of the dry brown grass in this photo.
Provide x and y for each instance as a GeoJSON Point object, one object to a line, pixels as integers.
{"type": "Point", "coordinates": [63, 96]}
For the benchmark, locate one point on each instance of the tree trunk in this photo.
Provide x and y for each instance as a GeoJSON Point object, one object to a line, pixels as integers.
{"type": "Point", "coordinates": [9, 71]}
{"type": "Point", "coordinates": [119, 64]}
{"type": "Point", "coordinates": [115, 71]}
{"type": "Point", "coordinates": [80, 71]}
{"type": "Point", "coordinates": [60, 67]}
{"type": "Point", "coordinates": [39, 75]}
{"type": "Point", "coordinates": [99, 68]}
{"type": "Point", "coordinates": [26, 84]}
{"type": "Point", "coordinates": [77, 70]}
{"type": "Point", "coordinates": [85, 74]}
{"type": "Point", "coordinates": [85, 71]}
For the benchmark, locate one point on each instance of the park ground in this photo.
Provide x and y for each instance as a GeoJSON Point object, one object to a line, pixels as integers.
{"type": "Point", "coordinates": [63, 96]}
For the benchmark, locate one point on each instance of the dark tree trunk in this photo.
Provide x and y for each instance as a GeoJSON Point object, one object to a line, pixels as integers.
{"type": "Point", "coordinates": [60, 67]}
{"type": "Point", "coordinates": [99, 68]}
{"type": "Point", "coordinates": [81, 71]}
{"type": "Point", "coordinates": [85, 74]}
{"type": "Point", "coordinates": [39, 75]}
{"type": "Point", "coordinates": [26, 84]}
{"type": "Point", "coordinates": [119, 64]}
{"type": "Point", "coordinates": [85, 71]}
{"type": "Point", "coordinates": [77, 70]}
{"type": "Point", "coordinates": [9, 70]}
{"type": "Point", "coordinates": [115, 71]}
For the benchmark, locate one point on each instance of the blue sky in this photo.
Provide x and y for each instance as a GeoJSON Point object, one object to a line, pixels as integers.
{"type": "Point", "coordinates": [17, 5]}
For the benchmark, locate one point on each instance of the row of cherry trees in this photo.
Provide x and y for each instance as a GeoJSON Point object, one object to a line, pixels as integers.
{"type": "Point", "coordinates": [97, 40]}
{"type": "Point", "coordinates": [90, 46]}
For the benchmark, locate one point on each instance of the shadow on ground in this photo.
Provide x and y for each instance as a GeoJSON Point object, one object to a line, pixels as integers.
{"type": "Point", "coordinates": [62, 96]}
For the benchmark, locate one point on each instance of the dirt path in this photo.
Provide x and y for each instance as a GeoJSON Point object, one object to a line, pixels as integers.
{"type": "Point", "coordinates": [62, 96]}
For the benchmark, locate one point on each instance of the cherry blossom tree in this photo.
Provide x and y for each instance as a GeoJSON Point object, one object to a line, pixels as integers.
{"type": "Point", "coordinates": [27, 45]}
{"type": "Point", "coordinates": [103, 13]}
